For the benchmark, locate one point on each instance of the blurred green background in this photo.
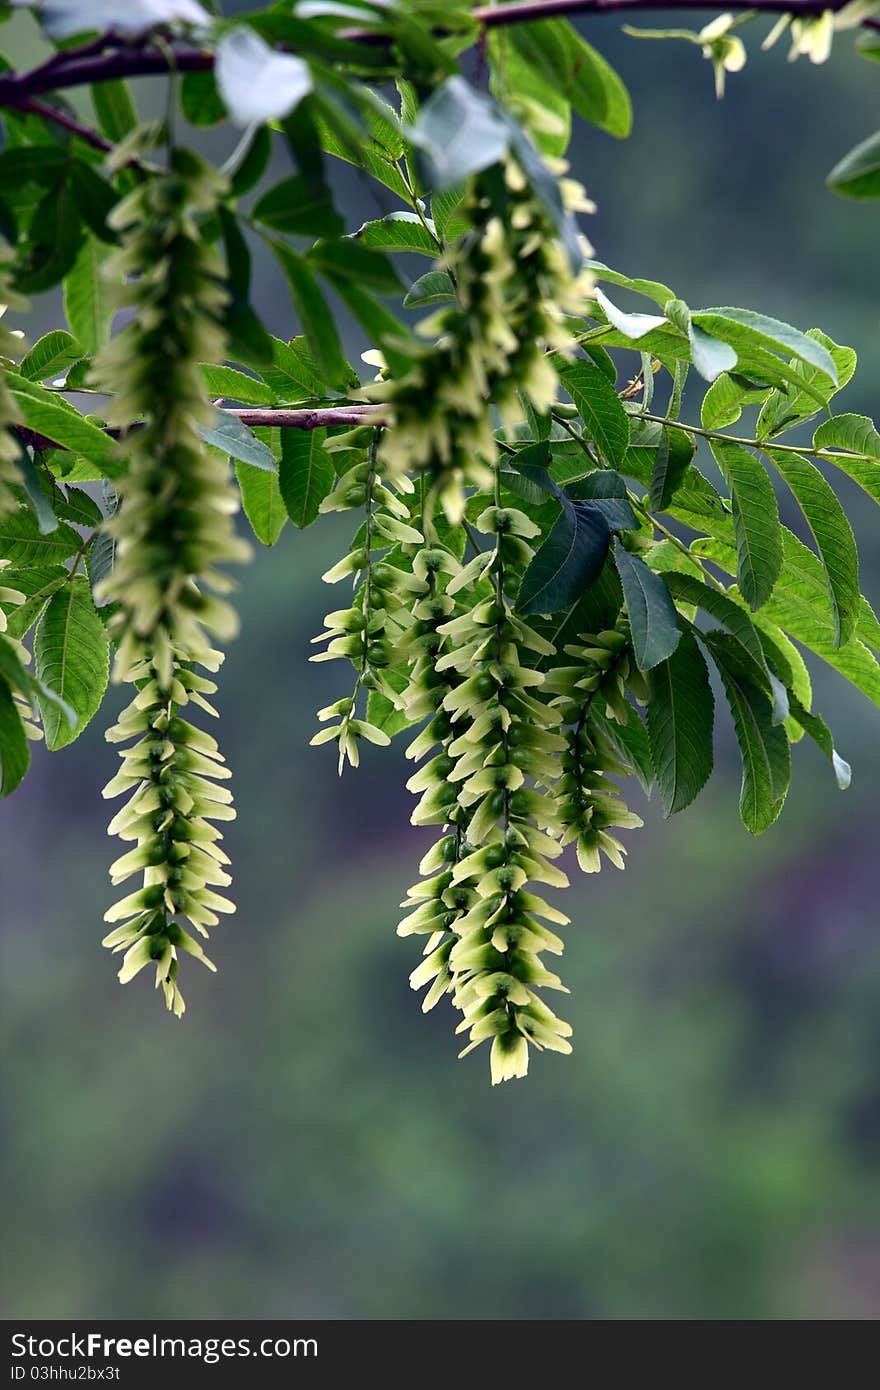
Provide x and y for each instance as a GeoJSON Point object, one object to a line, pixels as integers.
{"type": "Point", "coordinates": [305, 1143]}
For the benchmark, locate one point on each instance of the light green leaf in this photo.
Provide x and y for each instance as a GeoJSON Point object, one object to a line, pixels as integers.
{"type": "Point", "coordinates": [755, 520]}
{"type": "Point", "coordinates": [821, 735]}
{"type": "Point", "coordinates": [832, 533]}
{"type": "Point", "coordinates": [435, 287]}
{"type": "Point", "coordinates": [72, 658]}
{"type": "Point", "coordinates": [783, 409]}
{"type": "Point", "coordinates": [232, 385]}
{"type": "Point", "coordinates": [114, 108]}
{"type": "Point", "coordinates": [652, 616]}
{"type": "Point", "coordinates": [305, 474]}
{"type": "Point", "coordinates": [652, 289]}
{"type": "Point", "coordinates": [47, 414]}
{"type": "Point", "coordinates": [680, 723]}
{"type": "Point", "coordinates": [231, 437]}
{"type": "Point", "coordinates": [709, 354]}
{"type": "Point", "coordinates": [88, 297]}
{"type": "Point", "coordinates": [751, 330]}
{"type": "Point", "coordinates": [294, 374]}
{"type": "Point", "coordinates": [401, 231]}
{"type": "Point", "coordinates": [577, 72]}
{"type": "Point", "coordinates": [23, 543]}
{"type": "Point", "coordinates": [51, 355]}
{"type": "Point", "coordinates": [38, 583]}
{"type": "Point", "coordinates": [262, 502]}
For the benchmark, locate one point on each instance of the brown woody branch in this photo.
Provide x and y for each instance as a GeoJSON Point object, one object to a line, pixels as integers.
{"type": "Point", "coordinates": [309, 418]}
{"type": "Point", "coordinates": [107, 57]}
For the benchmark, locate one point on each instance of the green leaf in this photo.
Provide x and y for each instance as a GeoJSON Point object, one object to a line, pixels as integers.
{"type": "Point", "coordinates": [37, 492]}
{"type": "Point", "coordinates": [114, 108]}
{"type": "Point", "coordinates": [51, 355]}
{"type": "Point", "coordinates": [744, 328]}
{"type": "Point", "coordinates": [314, 315]}
{"type": "Point", "coordinates": [755, 520]}
{"type": "Point", "coordinates": [832, 533]}
{"type": "Point", "coordinates": [652, 616]}
{"type": "Point", "coordinates": [305, 474]}
{"type": "Point", "coordinates": [38, 583]}
{"type": "Point", "coordinates": [48, 415]}
{"type": "Point", "coordinates": [15, 757]}
{"type": "Point", "coordinates": [607, 492]}
{"type": "Point", "coordinates": [348, 259]}
{"type": "Point", "coordinates": [256, 82]}
{"type": "Point", "coordinates": [604, 418]}
{"type": "Point", "coordinates": [233, 385]}
{"type": "Point", "coordinates": [633, 326]}
{"type": "Point", "coordinates": [855, 433]}
{"type": "Point", "coordinates": [72, 658]}
{"type": "Point", "coordinates": [570, 559]}
{"type": "Point", "coordinates": [652, 289]}
{"type": "Point", "coordinates": [231, 437]}
{"type": "Point", "coordinates": [526, 473]}
{"type": "Point", "coordinates": [577, 72]}
{"type": "Point", "coordinates": [400, 231]}
{"type": "Point", "coordinates": [294, 374]}
{"type": "Point", "coordinates": [435, 287]}
{"type": "Point", "coordinates": [262, 502]}
{"type": "Point", "coordinates": [88, 301]}
{"type": "Point", "coordinates": [630, 742]}
{"type": "Point", "coordinates": [857, 175]}
{"type": "Point", "coordinates": [199, 99]}
{"type": "Point", "coordinates": [799, 606]}
{"type": "Point", "coordinates": [821, 735]}
{"type": "Point", "coordinates": [55, 236]}
{"type": "Point", "coordinates": [460, 132]}
{"type": "Point", "coordinates": [737, 621]}
{"type": "Point", "coordinates": [680, 722]}
{"type": "Point", "coordinates": [784, 408]}
{"type": "Point", "coordinates": [100, 561]}
{"type": "Point", "coordinates": [763, 745]}
{"type": "Point", "coordinates": [709, 354]}
{"type": "Point", "coordinates": [520, 87]}
{"type": "Point", "coordinates": [671, 464]}
{"type": "Point", "coordinates": [22, 542]}
{"type": "Point", "coordinates": [301, 206]}
{"type": "Point", "coordinates": [726, 399]}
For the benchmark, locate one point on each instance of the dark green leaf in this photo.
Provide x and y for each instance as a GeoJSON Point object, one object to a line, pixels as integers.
{"type": "Point", "coordinates": [38, 583]}
{"type": "Point", "coordinates": [294, 374]}
{"type": "Point", "coordinates": [435, 287]}
{"type": "Point", "coordinates": [47, 414]}
{"type": "Point", "coordinates": [346, 258]}
{"type": "Point", "coordinates": [15, 758]}
{"type": "Point", "coordinates": [199, 99]}
{"type": "Point", "coordinates": [671, 464]}
{"type": "Point", "coordinates": [820, 733]}
{"type": "Point", "coordinates": [88, 303]}
{"type": "Point", "coordinates": [297, 205]}
{"type": "Point", "coordinates": [652, 616]}
{"type": "Point", "coordinates": [763, 745]}
{"type": "Point", "coordinates": [680, 723]}
{"type": "Point", "coordinates": [630, 742]}
{"type": "Point", "coordinates": [570, 559]}
{"type": "Point", "coordinates": [607, 492]}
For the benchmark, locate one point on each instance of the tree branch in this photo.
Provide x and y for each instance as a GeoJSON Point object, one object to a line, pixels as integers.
{"type": "Point", "coordinates": [324, 417]}
{"type": "Point", "coordinates": [93, 63]}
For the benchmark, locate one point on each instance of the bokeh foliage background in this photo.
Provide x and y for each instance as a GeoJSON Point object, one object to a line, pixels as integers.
{"type": "Point", "coordinates": [305, 1143]}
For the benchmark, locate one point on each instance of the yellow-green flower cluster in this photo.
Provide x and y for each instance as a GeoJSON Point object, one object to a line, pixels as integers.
{"type": "Point", "coordinates": [514, 284]}
{"type": "Point", "coordinates": [173, 527]}
{"type": "Point", "coordinates": [174, 523]}
{"type": "Point", "coordinates": [500, 764]}
{"type": "Point", "coordinates": [172, 771]}
{"type": "Point", "coordinates": [368, 632]}
{"type": "Point", "coordinates": [10, 348]}
{"type": "Point", "coordinates": [589, 804]}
